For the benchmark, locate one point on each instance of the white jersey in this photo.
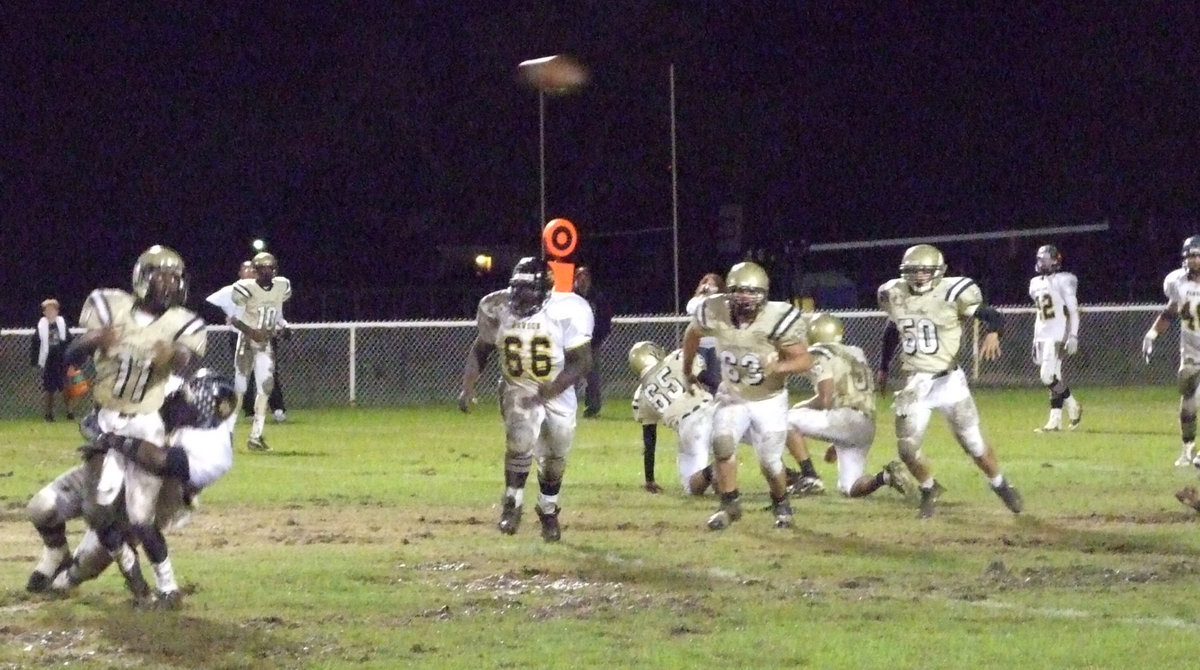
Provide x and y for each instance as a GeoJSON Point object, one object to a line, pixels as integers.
{"type": "Point", "coordinates": [223, 298]}
{"type": "Point", "coordinates": [662, 395]}
{"type": "Point", "coordinates": [1183, 296]}
{"type": "Point", "coordinates": [209, 450]}
{"type": "Point", "coordinates": [260, 307]}
{"type": "Point", "coordinates": [533, 349]}
{"type": "Point", "coordinates": [1056, 305]}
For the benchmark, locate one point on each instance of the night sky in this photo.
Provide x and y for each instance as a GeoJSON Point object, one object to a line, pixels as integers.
{"type": "Point", "coordinates": [376, 146]}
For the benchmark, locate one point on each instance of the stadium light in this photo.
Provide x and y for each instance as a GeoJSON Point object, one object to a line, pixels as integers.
{"type": "Point", "coordinates": [483, 264]}
{"type": "Point", "coordinates": [258, 245]}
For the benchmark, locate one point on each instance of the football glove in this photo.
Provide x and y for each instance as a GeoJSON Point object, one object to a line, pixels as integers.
{"type": "Point", "coordinates": [1072, 345]}
{"type": "Point", "coordinates": [1148, 344]}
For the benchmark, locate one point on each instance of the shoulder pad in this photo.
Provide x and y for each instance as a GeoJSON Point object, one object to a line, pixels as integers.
{"type": "Point", "coordinates": [951, 288]}
{"type": "Point", "coordinates": [492, 303]}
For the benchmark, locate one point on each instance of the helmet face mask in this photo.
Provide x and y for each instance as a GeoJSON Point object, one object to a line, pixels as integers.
{"type": "Point", "coordinates": [1048, 260]}
{"type": "Point", "coordinates": [643, 356]}
{"type": "Point", "coordinates": [160, 279]}
{"type": "Point", "coordinates": [922, 267]}
{"type": "Point", "coordinates": [205, 400]}
{"type": "Point", "coordinates": [825, 329]}
{"type": "Point", "coordinates": [265, 268]}
{"type": "Point", "coordinates": [529, 287]}
{"type": "Point", "coordinates": [747, 286]}
{"type": "Point", "coordinates": [1191, 254]}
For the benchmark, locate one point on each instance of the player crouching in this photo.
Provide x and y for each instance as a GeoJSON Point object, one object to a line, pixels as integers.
{"type": "Point", "coordinates": [843, 410]}
{"type": "Point", "coordinates": [199, 417]}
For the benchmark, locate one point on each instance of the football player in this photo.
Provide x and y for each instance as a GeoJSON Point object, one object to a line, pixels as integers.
{"type": "Point", "coordinates": [1182, 288]}
{"type": "Point", "coordinates": [663, 396]}
{"type": "Point", "coordinates": [136, 342]}
{"type": "Point", "coordinates": [198, 417]}
{"type": "Point", "coordinates": [544, 343]}
{"type": "Point", "coordinates": [260, 300]}
{"type": "Point", "coordinates": [760, 343]}
{"type": "Point", "coordinates": [1055, 333]}
{"type": "Point", "coordinates": [842, 411]}
{"type": "Point", "coordinates": [925, 312]}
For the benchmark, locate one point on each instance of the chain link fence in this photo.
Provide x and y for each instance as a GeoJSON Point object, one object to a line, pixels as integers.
{"type": "Point", "coordinates": [416, 362]}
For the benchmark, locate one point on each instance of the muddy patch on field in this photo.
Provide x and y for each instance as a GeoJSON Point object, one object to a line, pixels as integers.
{"type": "Point", "coordinates": [1086, 576]}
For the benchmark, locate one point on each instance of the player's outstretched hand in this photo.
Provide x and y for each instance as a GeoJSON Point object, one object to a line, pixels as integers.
{"type": "Point", "coordinates": [1072, 345]}
{"type": "Point", "coordinates": [989, 349]}
{"type": "Point", "coordinates": [1148, 344]}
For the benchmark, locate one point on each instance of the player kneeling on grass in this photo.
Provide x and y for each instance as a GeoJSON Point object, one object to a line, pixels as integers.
{"type": "Point", "coordinates": [663, 396]}
{"type": "Point", "coordinates": [199, 417]}
{"type": "Point", "coordinates": [843, 410]}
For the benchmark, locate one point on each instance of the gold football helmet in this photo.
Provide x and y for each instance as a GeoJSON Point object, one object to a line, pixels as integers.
{"type": "Point", "coordinates": [825, 329]}
{"type": "Point", "coordinates": [265, 267]}
{"type": "Point", "coordinates": [159, 278]}
{"type": "Point", "coordinates": [922, 268]}
{"type": "Point", "coordinates": [643, 356]}
{"type": "Point", "coordinates": [747, 285]}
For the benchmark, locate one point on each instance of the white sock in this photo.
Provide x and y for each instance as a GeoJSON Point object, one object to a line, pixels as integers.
{"type": "Point", "coordinates": [996, 481]}
{"type": "Point", "coordinates": [256, 426]}
{"type": "Point", "coordinates": [51, 559]}
{"type": "Point", "coordinates": [518, 495]}
{"type": "Point", "coordinates": [1055, 417]}
{"type": "Point", "coordinates": [164, 576]}
{"type": "Point", "coordinates": [927, 484]}
{"type": "Point", "coordinates": [547, 503]}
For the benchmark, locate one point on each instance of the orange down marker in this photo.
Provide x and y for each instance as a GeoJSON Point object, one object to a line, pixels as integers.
{"type": "Point", "coordinates": [559, 239]}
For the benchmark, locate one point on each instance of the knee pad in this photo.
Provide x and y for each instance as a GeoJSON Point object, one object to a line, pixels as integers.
{"type": "Point", "coordinates": [724, 447]}
{"type": "Point", "coordinates": [42, 509]}
{"type": "Point", "coordinates": [239, 384]}
{"type": "Point", "coordinates": [908, 439]}
{"type": "Point", "coordinates": [1047, 376]}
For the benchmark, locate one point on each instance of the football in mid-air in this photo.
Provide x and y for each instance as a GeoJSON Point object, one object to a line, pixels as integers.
{"type": "Point", "coordinates": [555, 75]}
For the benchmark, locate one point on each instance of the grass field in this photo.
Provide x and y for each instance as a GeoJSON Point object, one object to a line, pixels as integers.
{"type": "Point", "coordinates": [367, 540]}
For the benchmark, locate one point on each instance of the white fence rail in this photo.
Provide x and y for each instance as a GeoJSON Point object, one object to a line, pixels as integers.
{"type": "Point", "coordinates": [414, 362]}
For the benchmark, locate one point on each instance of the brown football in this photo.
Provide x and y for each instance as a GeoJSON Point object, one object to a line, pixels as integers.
{"type": "Point", "coordinates": [553, 74]}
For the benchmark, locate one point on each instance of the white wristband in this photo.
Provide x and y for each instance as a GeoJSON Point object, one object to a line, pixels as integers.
{"type": "Point", "coordinates": [1151, 334]}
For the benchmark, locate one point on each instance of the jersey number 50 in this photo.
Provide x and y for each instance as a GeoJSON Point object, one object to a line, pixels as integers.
{"type": "Point", "coordinates": [918, 336]}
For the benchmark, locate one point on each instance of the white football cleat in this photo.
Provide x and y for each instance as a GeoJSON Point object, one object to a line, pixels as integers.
{"type": "Point", "coordinates": [1074, 414]}
{"type": "Point", "coordinates": [280, 416]}
{"type": "Point", "coordinates": [1186, 455]}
